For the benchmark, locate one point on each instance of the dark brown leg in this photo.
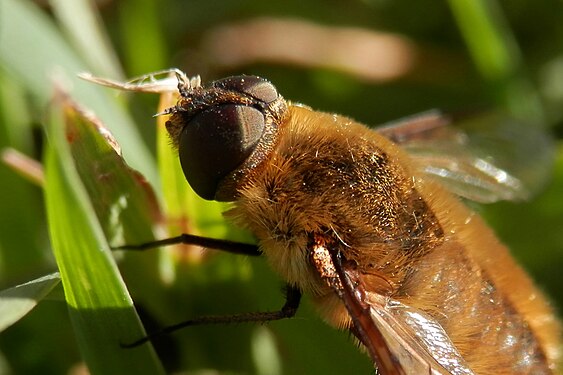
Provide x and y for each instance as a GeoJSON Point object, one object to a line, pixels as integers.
{"type": "Point", "coordinates": [189, 239]}
{"type": "Point", "coordinates": [292, 300]}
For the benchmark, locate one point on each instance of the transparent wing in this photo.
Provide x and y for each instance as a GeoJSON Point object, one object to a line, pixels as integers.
{"type": "Point", "coordinates": [417, 341]}
{"type": "Point", "coordinates": [400, 339]}
{"type": "Point", "coordinates": [484, 158]}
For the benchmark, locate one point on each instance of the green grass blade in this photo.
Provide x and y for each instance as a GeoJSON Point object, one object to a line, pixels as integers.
{"type": "Point", "coordinates": [33, 51]}
{"type": "Point", "coordinates": [81, 21]}
{"type": "Point", "coordinates": [496, 54]}
{"type": "Point", "coordinates": [143, 15]}
{"type": "Point", "coordinates": [100, 307]}
{"type": "Point", "coordinates": [16, 302]}
{"type": "Point", "coordinates": [489, 39]}
{"type": "Point", "coordinates": [124, 202]}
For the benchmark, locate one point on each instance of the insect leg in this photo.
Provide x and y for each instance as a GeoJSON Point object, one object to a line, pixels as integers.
{"type": "Point", "coordinates": [288, 310]}
{"type": "Point", "coordinates": [190, 239]}
{"type": "Point", "coordinates": [364, 328]}
{"type": "Point", "coordinates": [344, 279]}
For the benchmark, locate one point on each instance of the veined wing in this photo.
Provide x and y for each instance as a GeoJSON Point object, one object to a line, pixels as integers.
{"type": "Point", "coordinates": [400, 340]}
{"type": "Point", "coordinates": [414, 342]}
{"type": "Point", "coordinates": [485, 159]}
{"type": "Point", "coordinates": [417, 341]}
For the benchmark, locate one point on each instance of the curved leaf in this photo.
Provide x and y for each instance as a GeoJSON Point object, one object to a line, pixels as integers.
{"type": "Point", "coordinates": [17, 301]}
{"type": "Point", "coordinates": [100, 307]}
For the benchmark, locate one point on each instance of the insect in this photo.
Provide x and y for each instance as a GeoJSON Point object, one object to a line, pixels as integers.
{"type": "Point", "coordinates": [344, 214]}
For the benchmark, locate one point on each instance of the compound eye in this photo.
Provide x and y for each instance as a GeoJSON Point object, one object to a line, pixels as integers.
{"type": "Point", "coordinates": [215, 142]}
{"type": "Point", "coordinates": [257, 87]}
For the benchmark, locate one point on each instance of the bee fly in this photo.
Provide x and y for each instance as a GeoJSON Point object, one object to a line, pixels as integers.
{"type": "Point", "coordinates": [344, 214]}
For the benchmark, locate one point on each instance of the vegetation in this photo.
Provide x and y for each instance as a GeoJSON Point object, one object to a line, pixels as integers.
{"type": "Point", "coordinates": [375, 61]}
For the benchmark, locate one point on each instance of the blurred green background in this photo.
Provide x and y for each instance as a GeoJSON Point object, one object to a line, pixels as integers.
{"type": "Point", "coordinates": [372, 60]}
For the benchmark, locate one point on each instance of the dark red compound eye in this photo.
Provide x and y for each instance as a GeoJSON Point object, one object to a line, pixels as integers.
{"type": "Point", "coordinates": [221, 127]}
{"type": "Point", "coordinates": [215, 142]}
